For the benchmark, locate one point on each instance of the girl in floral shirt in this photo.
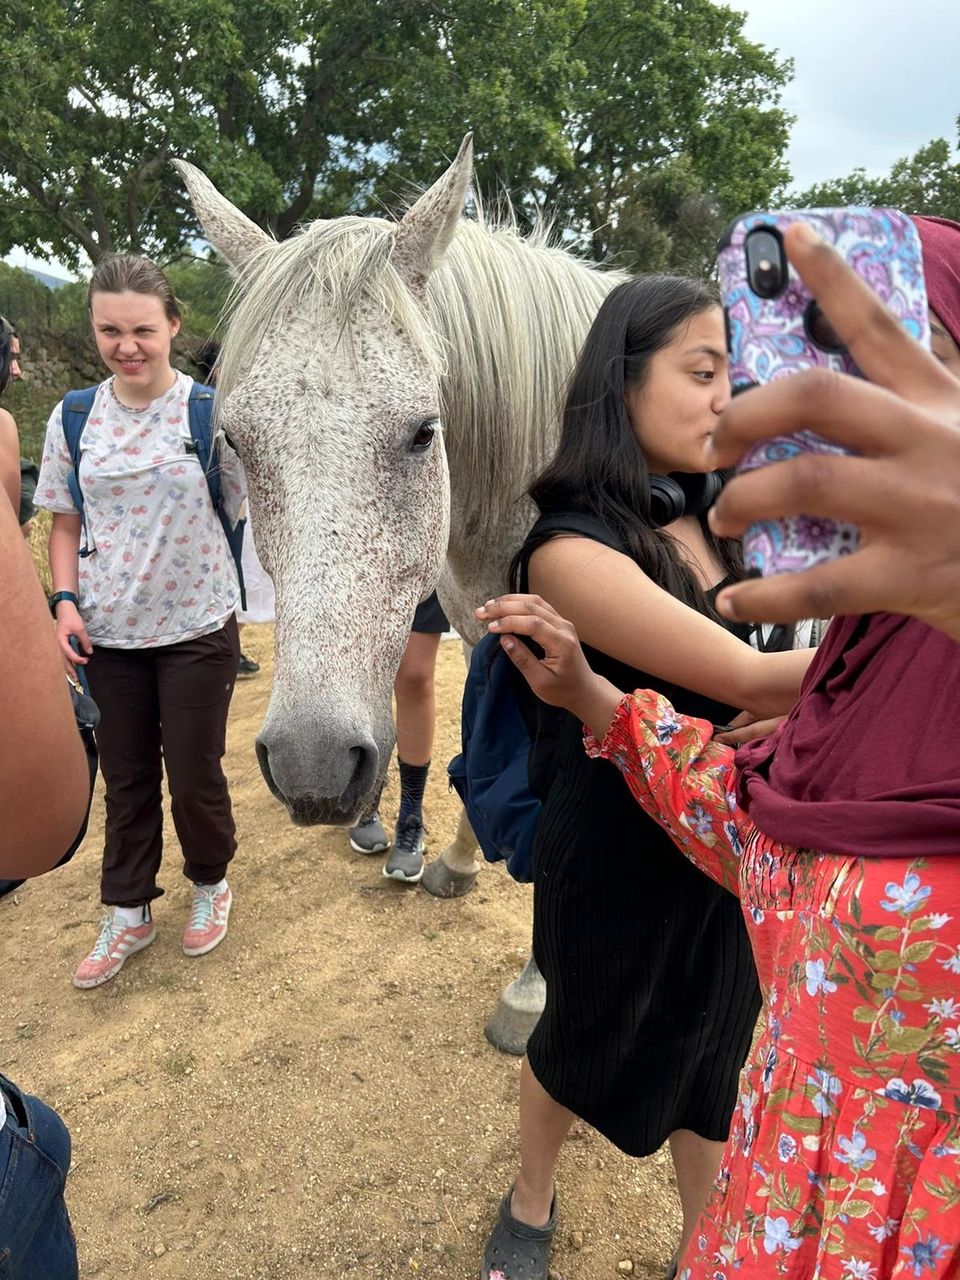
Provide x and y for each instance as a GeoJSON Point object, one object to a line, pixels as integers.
{"type": "Point", "coordinates": [146, 588]}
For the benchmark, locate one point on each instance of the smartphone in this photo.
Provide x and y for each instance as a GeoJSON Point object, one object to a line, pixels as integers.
{"type": "Point", "coordinates": [775, 328]}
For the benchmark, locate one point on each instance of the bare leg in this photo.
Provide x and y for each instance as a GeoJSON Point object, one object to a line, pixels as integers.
{"type": "Point", "coordinates": [696, 1161]}
{"type": "Point", "coordinates": [544, 1124]}
{"type": "Point", "coordinates": [416, 699]}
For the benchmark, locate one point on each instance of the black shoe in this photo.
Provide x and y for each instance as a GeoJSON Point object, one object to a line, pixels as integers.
{"type": "Point", "coordinates": [246, 667]}
{"type": "Point", "coordinates": [406, 858]}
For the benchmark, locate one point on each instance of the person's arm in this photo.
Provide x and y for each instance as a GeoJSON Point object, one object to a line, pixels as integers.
{"type": "Point", "coordinates": [681, 778]}
{"type": "Point", "coordinates": [44, 781]}
{"type": "Point", "coordinates": [617, 609]}
{"type": "Point", "coordinates": [53, 494]}
{"type": "Point", "coordinates": [63, 552]}
{"type": "Point", "coordinates": [903, 490]}
{"type": "Point", "coordinates": [10, 459]}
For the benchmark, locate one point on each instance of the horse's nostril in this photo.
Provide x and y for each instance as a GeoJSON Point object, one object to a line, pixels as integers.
{"type": "Point", "coordinates": [263, 759]}
{"type": "Point", "coordinates": [366, 759]}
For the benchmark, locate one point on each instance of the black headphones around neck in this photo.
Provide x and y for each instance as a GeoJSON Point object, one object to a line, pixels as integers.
{"type": "Point", "coordinates": [681, 494]}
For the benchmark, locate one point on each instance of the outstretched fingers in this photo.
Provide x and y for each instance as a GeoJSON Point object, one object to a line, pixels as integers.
{"type": "Point", "coordinates": [848, 411]}
{"type": "Point", "coordinates": [858, 583]}
{"type": "Point", "coordinates": [880, 346]}
{"type": "Point", "coordinates": [864, 416]}
{"type": "Point", "coordinates": [560, 674]}
{"type": "Point", "coordinates": [827, 485]}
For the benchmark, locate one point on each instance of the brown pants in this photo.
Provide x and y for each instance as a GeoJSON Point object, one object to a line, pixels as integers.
{"type": "Point", "coordinates": [164, 706]}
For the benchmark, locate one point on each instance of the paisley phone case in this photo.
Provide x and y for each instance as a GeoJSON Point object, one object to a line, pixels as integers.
{"type": "Point", "coordinates": [771, 338]}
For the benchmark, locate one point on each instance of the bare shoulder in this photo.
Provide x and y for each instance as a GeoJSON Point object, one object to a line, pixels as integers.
{"type": "Point", "coordinates": [569, 555]}
{"type": "Point", "coordinates": [566, 550]}
{"type": "Point", "coordinates": [579, 576]}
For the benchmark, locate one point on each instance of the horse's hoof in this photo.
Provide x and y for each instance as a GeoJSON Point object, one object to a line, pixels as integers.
{"type": "Point", "coordinates": [439, 880]}
{"type": "Point", "coordinates": [518, 1012]}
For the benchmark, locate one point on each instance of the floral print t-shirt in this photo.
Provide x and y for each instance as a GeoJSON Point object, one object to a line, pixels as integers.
{"type": "Point", "coordinates": [159, 569]}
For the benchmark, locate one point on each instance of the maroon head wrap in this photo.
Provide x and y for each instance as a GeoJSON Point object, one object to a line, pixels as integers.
{"type": "Point", "coordinates": [940, 239]}
{"type": "Point", "coordinates": [868, 762]}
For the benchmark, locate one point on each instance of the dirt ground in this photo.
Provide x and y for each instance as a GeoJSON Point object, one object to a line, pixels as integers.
{"type": "Point", "coordinates": [316, 1097]}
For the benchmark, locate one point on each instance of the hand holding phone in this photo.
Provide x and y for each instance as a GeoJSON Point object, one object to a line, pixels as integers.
{"type": "Point", "coordinates": [775, 328]}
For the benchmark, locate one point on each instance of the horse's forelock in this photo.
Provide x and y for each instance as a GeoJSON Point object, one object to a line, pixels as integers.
{"type": "Point", "coordinates": [335, 273]}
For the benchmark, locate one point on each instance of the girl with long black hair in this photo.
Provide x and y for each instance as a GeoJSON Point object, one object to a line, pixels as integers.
{"type": "Point", "coordinates": [651, 991]}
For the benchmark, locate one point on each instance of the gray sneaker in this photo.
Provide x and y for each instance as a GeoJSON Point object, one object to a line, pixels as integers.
{"type": "Point", "coordinates": [368, 836]}
{"type": "Point", "coordinates": [406, 858]}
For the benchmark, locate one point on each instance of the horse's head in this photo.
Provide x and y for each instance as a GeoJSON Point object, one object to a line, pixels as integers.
{"type": "Point", "coordinates": [330, 389]}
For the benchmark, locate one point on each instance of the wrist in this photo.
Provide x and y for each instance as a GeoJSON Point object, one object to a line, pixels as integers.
{"type": "Point", "coordinates": [597, 705]}
{"type": "Point", "coordinates": [60, 598]}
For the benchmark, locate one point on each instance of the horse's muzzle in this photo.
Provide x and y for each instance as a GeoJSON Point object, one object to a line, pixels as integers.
{"type": "Point", "coordinates": [305, 802]}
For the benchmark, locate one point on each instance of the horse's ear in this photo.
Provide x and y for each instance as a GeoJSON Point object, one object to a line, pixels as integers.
{"type": "Point", "coordinates": [428, 226]}
{"type": "Point", "coordinates": [230, 232]}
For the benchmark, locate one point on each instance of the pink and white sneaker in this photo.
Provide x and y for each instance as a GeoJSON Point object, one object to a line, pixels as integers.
{"type": "Point", "coordinates": [116, 943]}
{"type": "Point", "coordinates": [209, 913]}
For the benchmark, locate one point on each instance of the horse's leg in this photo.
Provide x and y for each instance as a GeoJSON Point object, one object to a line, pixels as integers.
{"type": "Point", "coordinates": [518, 1012]}
{"type": "Point", "coordinates": [454, 873]}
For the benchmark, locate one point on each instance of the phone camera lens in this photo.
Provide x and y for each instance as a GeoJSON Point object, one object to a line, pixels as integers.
{"type": "Point", "coordinates": [766, 263]}
{"type": "Point", "coordinates": [821, 332]}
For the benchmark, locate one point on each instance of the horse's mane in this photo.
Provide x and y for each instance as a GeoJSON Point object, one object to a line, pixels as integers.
{"type": "Point", "coordinates": [508, 314]}
{"type": "Point", "coordinates": [514, 311]}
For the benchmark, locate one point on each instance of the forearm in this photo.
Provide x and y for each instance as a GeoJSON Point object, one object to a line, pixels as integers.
{"type": "Point", "coordinates": [771, 682]}
{"type": "Point", "coordinates": [597, 706]}
{"type": "Point", "coordinates": [44, 781]}
{"type": "Point", "coordinates": [63, 550]}
{"type": "Point", "coordinates": [680, 778]}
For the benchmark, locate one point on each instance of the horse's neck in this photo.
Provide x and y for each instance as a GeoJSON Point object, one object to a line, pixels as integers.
{"type": "Point", "coordinates": [514, 316]}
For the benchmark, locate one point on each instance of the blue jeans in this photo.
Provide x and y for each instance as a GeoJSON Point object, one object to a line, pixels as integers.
{"type": "Point", "coordinates": [36, 1240]}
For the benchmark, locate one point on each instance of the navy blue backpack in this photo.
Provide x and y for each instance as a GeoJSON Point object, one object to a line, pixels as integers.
{"type": "Point", "coordinates": [76, 411]}
{"type": "Point", "coordinates": [503, 727]}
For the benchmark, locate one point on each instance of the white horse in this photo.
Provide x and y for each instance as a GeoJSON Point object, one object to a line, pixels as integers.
{"type": "Point", "coordinates": [347, 348]}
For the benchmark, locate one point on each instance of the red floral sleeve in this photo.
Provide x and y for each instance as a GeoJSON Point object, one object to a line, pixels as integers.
{"type": "Point", "coordinates": [681, 778]}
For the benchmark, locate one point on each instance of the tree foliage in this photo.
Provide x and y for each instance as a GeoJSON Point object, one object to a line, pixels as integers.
{"type": "Point", "coordinates": [638, 126]}
{"type": "Point", "coordinates": [927, 182]}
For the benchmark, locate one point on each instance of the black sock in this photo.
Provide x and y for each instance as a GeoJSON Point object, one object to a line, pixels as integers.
{"type": "Point", "coordinates": [413, 779]}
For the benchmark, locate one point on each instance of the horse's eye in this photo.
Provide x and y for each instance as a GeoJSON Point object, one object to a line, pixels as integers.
{"type": "Point", "coordinates": [423, 436]}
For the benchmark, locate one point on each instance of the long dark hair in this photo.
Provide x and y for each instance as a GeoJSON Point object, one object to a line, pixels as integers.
{"type": "Point", "coordinates": [7, 335]}
{"type": "Point", "coordinates": [599, 466]}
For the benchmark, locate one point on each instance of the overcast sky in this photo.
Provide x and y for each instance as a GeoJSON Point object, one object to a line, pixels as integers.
{"type": "Point", "coordinates": [873, 81]}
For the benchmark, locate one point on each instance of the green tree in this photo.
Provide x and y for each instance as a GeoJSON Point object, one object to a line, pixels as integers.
{"type": "Point", "coordinates": [673, 127]}
{"type": "Point", "coordinates": [23, 299]}
{"type": "Point", "coordinates": [638, 126]}
{"type": "Point", "coordinates": [927, 182]}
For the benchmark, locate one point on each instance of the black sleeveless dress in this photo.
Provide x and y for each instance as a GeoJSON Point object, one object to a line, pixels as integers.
{"type": "Point", "coordinates": [652, 995]}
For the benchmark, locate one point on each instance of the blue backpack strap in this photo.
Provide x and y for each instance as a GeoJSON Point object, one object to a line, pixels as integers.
{"type": "Point", "coordinates": [74, 414]}
{"type": "Point", "coordinates": [200, 415]}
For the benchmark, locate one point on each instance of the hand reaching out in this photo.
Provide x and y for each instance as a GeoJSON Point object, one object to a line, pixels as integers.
{"type": "Point", "coordinates": [562, 677]}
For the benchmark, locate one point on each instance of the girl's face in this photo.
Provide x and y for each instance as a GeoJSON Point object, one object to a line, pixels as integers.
{"type": "Point", "coordinates": [133, 337]}
{"type": "Point", "coordinates": [686, 388]}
